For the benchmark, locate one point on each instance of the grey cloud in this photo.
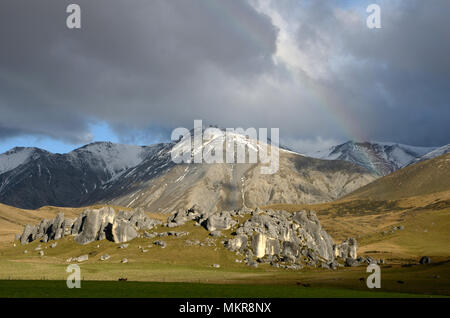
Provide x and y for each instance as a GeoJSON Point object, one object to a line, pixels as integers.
{"type": "Point", "coordinates": [394, 81]}
{"type": "Point", "coordinates": [133, 63]}
{"type": "Point", "coordinates": [145, 67]}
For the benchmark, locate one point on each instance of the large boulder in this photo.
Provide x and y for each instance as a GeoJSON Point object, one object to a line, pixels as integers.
{"type": "Point", "coordinates": [259, 245]}
{"type": "Point", "coordinates": [219, 222]}
{"type": "Point", "coordinates": [90, 228]}
{"type": "Point", "coordinates": [312, 233]}
{"type": "Point", "coordinates": [123, 231]}
{"type": "Point", "coordinates": [425, 260]}
{"type": "Point", "coordinates": [142, 221]}
{"type": "Point", "coordinates": [180, 217]}
{"type": "Point", "coordinates": [347, 249]}
{"type": "Point", "coordinates": [55, 231]}
{"type": "Point", "coordinates": [76, 227]}
{"type": "Point", "coordinates": [236, 244]}
{"type": "Point", "coordinates": [28, 234]}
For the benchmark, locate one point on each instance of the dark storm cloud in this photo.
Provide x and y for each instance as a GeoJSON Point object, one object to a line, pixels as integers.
{"type": "Point", "coordinates": [396, 80]}
{"type": "Point", "coordinates": [149, 66]}
{"type": "Point", "coordinates": [133, 63]}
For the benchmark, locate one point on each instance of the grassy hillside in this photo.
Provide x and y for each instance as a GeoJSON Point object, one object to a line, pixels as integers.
{"type": "Point", "coordinates": [370, 217]}
{"type": "Point", "coordinates": [426, 177]}
{"type": "Point", "coordinates": [426, 222]}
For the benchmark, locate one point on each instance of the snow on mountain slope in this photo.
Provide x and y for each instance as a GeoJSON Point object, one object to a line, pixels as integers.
{"type": "Point", "coordinates": [112, 158]}
{"type": "Point", "coordinates": [433, 154]}
{"type": "Point", "coordinates": [381, 158]}
{"type": "Point", "coordinates": [33, 177]}
{"type": "Point", "coordinates": [15, 157]}
{"type": "Point", "coordinates": [157, 184]}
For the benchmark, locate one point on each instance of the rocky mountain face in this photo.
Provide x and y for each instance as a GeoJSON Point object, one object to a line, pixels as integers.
{"type": "Point", "coordinates": [147, 177]}
{"type": "Point", "coordinates": [159, 185]}
{"type": "Point", "coordinates": [279, 238]}
{"type": "Point", "coordinates": [31, 177]}
{"type": "Point", "coordinates": [379, 158]}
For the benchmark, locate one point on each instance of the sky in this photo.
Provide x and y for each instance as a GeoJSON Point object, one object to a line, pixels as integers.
{"type": "Point", "coordinates": [138, 69]}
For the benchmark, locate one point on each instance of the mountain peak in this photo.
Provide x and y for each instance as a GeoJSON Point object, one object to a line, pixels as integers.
{"type": "Point", "coordinates": [17, 156]}
{"type": "Point", "coordinates": [381, 158]}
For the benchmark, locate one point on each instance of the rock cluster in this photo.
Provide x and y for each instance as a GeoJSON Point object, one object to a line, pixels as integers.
{"type": "Point", "coordinates": [212, 221]}
{"type": "Point", "coordinates": [283, 239]}
{"type": "Point", "coordinates": [91, 225]}
{"type": "Point", "coordinates": [350, 262]}
{"type": "Point", "coordinates": [47, 230]}
{"type": "Point", "coordinates": [279, 238]}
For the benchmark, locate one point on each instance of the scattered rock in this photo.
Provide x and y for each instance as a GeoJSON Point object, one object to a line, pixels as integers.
{"type": "Point", "coordinates": [216, 265]}
{"type": "Point", "coordinates": [192, 242]}
{"type": "Point", "coordinates": [150, 235]}
{"type": "Point", "coordinates": [41, 253]}
{"type": "Point", "coordinates": [350, 262]}
{"type": "Point", "coordinates": [124, 260]}
{"type": "Point", "coordinates": [82, 258]}
{"type": "Point", "coordinates": [216, 234]}
{"type": "Point", "coordinates": [124, 245]}
{"type": "Point", "coordinates": [105, 257]}
{"type": "Point", "coordinates": [253, 264]}
{"type": "Point", "coordinates": [425, 260]}
{"type": "Point", "coordinates": [160, 243]}
{"type": "Point", "coordinates": [53, 245]}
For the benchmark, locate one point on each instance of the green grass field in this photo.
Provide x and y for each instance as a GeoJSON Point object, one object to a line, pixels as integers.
{"type": "Point", "coordinates": [182, 270]}
{"type": "Point", "coordinates": [105, 289]}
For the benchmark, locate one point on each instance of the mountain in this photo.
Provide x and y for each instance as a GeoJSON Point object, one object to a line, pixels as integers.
{"type": "Point", "coordinates": [41, 178]}
{"type": "Point", "coordinates": [160, 185]}
{"type": "Point", "coordinates": [381, 158]}
{"type": "Point", "coordinates": [433, 154]}
{"type": "Point", "coordinates": [425, 177]}
{"type": "Point", "coordinates": [16, 157]}
{"type": "Point", "coordinates": [147, 177]}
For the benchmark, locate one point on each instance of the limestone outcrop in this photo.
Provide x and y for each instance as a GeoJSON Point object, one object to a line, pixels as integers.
{"type": "Point", "coordinates": [279, 238]}
{"type": "Point", "coordinates": [92, 225]}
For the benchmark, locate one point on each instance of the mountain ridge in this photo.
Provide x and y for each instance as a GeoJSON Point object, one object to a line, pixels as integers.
{"type": "Point", "coordinates": [84, 177]}
{"type": "Point", "coordinates": [381, 158]}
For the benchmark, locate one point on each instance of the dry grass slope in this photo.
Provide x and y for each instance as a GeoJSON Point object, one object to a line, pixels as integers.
{"type": "Point", "coordinates": [426, 177]}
